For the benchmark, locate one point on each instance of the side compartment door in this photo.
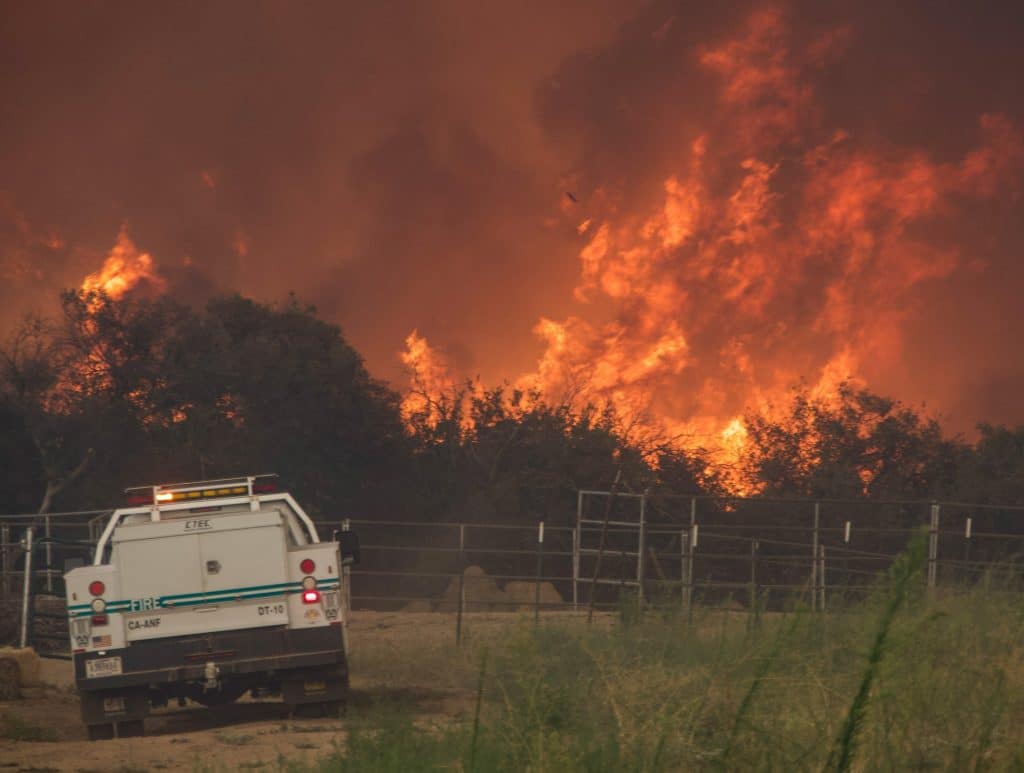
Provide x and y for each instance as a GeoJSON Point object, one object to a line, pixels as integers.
{"type": "Point", "coordinates": [159, 576]}
{"type": "Point", "coordinates": [245, 576]}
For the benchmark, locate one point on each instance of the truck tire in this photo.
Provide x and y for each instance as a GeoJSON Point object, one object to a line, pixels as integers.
{"type": "Point", "coordinates": [334, 709]}
{"type": "Point", "coordinates": [102, 732]}
{"type": "Point", "coordinates": [321, 710]}
{"type": "Point", "coordinates": [131, 728]}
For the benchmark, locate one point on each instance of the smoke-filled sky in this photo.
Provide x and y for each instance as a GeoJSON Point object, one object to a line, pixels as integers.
{"type": "Point", "coordinates": [762, 194]}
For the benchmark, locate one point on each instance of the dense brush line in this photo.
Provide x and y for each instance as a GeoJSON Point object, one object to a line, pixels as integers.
{"type": "Point", "coordinates": [135, 391]}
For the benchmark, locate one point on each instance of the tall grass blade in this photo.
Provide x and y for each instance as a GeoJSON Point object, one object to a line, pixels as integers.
{"type": "Point", "coordinates": [476, 712]}
{"type": "Point", "coordinates": [765, 666]}
{"type": "Point", "coordinates": [901, 573]}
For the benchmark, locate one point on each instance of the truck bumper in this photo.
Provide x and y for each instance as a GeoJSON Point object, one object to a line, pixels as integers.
{"type": "Point", "coordinates": [154, 662]}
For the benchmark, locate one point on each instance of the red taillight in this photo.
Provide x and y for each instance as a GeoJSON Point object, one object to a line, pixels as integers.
{"type": "Point", "coordinates": [269, 485]}
{"type": "Point", "coordinates": [96, 588]}
{"type": "Point", "coordinates": [310, 596]}
{"type": "Point", "coordinates": [308, 566]}
{"type": "Point", "coordinates": [99, 619]}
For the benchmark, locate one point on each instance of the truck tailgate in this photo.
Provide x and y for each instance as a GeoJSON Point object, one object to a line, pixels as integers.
{"type": "Point", "coordinates": [205, 574]}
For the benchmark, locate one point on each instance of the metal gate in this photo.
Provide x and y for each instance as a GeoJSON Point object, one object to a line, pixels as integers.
{"type": "Point", "coordinates": [608, 543]}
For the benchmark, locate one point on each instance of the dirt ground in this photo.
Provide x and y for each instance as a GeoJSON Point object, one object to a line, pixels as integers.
{"type": "Point", "coordinates": [402, 659]}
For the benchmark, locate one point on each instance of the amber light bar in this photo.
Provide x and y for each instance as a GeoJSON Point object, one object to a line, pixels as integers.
{"type": "Point", "coordinates": [214, 489]}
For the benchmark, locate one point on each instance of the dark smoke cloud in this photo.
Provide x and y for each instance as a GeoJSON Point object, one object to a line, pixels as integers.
{"type": "Point", "coordinates": [404, 165]}
{"type": "Point", "coordinates": [382, 160]}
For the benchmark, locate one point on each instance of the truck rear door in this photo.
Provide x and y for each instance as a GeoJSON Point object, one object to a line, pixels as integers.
{"type": "Point", "coordinates": [204, 573]}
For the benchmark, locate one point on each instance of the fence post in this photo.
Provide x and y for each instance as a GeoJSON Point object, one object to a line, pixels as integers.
{"type": "Point", "coordinates": [49, 554]}
{"type": "Point", "coordinates": [753, 583]}
{"type": "Point", "coordinates": [933, 549]}
{"type": "Point", "coordinates": [814, 557]}
{"type": "Point", "coordinates": [96, 525]}
{"type": "Point", "coordinates": [968, 574]}
{"type": "Point", "coordinates": [602, 542]}
{"type": "Point", "coordinates": [540, 566]}
{"type": "Point", "coordinates": [462, 584]}
{"type": "Point", "coordinates": [26, 596]}
{"type": "Point", "coordinates": [684, 570]}
{"type": "Point", "coordinates": [691, 545]}
{"type": "Point", "coordinates": [346, 575]}
{"type": "Point", "coordinates": [576, 542]}
{"type": "Point", "coordinates": [821, 577]}
{"type": "Point", "coordinates": [5, 544]}
{"type": "Point", "coordinates": [640, 565]}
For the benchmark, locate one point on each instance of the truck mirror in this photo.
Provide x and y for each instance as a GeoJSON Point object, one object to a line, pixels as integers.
{"type": "Point", "coordinates": [73, 563]}
{"type": "Point", "coordinates": [348, 541]}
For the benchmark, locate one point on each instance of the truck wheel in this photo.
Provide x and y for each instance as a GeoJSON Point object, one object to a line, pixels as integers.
{"type": "Point", "coordinates": [103, 732]}
{"type": "Point", "coordinates": [130, 728]}
{"type": "Point", "coordinates": [334, 709]}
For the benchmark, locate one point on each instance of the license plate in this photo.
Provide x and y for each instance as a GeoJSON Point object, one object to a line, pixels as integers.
{"type": "Point", "coordinates": [114, 705]}
{"type": "Point", "coordinates": [103, 667]}
{"type": "Point", "coordinates": [314, 686]}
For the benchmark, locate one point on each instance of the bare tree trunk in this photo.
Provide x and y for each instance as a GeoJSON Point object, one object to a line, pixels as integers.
{"type": "Point", "coordinates": [55, 485]}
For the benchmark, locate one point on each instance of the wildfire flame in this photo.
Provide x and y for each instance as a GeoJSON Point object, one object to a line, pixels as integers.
{"type": "Point", "coordinates": [123, 269]}
{"type": "Point", "coordinates": [430, 379]}
{"type": "Point", "coordinates": [779, 251]}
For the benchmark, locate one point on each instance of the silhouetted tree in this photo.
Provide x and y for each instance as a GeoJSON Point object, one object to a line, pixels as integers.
{"type": "Point", "coordinates": [994, 471]}
{"type": "Point", "coordinates": [163, 393]}
{"type": "Point", "coordinates": [857, 444]}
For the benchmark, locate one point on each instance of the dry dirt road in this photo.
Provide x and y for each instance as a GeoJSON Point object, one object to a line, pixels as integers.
{"type": "Point", "coordinates": [408, 660]}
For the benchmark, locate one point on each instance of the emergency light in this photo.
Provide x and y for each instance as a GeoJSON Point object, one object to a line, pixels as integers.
{"type": "Point", "coordinates": [146, 496]}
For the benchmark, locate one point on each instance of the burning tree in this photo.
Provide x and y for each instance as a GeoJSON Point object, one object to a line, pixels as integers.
{"type": "Point", "coordinates": [851, 445]}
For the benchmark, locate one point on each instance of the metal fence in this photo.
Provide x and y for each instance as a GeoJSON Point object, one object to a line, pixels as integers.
{"type": "Point", "coordinates": [59, 536]}
{"type": "Point", "coordinates": [639, 549]}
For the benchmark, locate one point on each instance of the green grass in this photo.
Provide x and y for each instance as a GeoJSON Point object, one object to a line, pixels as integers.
{"type": "Point", "coordinates": [897, 682]}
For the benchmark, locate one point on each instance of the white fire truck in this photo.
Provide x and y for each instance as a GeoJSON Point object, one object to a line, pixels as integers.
{"type": "Point", "coordinates": [205, 591]}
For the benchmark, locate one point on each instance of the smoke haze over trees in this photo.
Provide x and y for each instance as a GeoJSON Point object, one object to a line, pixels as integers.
{"type": "Point", "coordinates": [146, 390]}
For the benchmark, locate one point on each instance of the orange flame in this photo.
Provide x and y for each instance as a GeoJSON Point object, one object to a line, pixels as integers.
{"type": "Point", "coordinates": [429, 376]}
{"type": "Point", "coordinates": [123, 269]}
{"type": "Point", "coordinates": [738, 284]}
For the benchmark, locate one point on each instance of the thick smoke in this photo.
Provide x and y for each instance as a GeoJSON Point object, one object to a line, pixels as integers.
{"type": "Point", "coordinates": [381, 160]}
{"type": "Point", "coordinates": [772, 192]}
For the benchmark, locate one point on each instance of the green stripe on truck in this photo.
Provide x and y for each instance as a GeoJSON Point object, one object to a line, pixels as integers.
{"type": "Point", "coordinates": [193, 599]}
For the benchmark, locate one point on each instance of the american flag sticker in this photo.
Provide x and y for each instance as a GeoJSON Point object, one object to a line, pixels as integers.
{"type": "Point", "coordinates": [101, 641]}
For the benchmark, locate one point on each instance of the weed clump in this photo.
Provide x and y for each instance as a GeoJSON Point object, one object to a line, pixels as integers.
{"type": "Point", "coordinates": [15, 728]}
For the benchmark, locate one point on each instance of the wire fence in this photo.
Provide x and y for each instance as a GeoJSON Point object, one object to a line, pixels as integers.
{"type": "Point", "coordinates": [725, 553]}
{"type": "Point", "coordinates": [617, 548]}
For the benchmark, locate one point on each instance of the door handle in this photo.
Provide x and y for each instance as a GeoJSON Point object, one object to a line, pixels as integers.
{"type": "Point", "coordinates": [212, 567]}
